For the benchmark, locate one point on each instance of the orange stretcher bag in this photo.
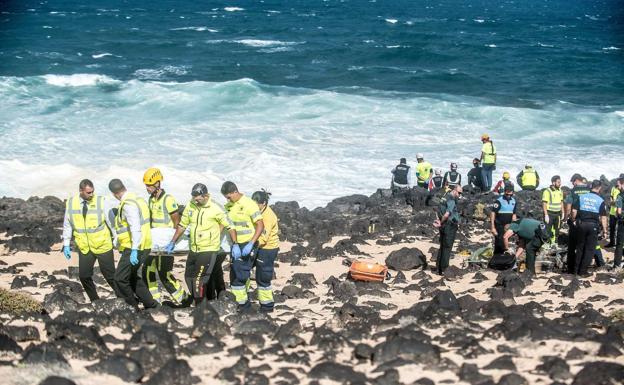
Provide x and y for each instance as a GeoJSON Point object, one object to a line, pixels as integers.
{"type": "Point", "coordinates": [367, 271]}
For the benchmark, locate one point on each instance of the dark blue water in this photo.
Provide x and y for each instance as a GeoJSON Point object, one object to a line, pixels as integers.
{"type": "Point", "coordinates": [519, 53]}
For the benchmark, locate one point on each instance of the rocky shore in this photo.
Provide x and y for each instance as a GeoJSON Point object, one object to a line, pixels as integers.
{"type": "Point", "coordinates": [472, 326]}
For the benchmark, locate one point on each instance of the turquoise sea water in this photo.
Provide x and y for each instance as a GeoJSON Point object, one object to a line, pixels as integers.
{"type": "Point", "coordinates": [310, 99]}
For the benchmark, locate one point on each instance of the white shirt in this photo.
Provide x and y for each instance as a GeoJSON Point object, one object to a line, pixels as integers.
{"type": "Point", "coordinates": [132, 215]}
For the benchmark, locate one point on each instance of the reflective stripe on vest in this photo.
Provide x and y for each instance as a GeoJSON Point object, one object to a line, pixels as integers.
{"type": "Point", "coordinates": [453, 181]}
{"type": "Point", "coordinates": [555, 200]}
{"type": "Point", "coordinates": [489, 155]}
{"type": "Point", "coordinates": [529, 178]}
{"type": "Point", "coordinates": [165, 219]}
{"type": "Point", "coordinates": [123, 228]}
{"type": "Point", "coordinates": [590, 203]}
{"type": "Point", "coordinates": [614, 194]}
{"type": "Point", "coordinates": [507, 207]}
{"type": "Point", "coordinates": [90, 231]}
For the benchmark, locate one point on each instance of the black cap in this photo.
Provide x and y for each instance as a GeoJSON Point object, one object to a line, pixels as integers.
{"type": "Point", "coordinates": [596, 184]}
{"type": "Point", "coordinates": [508, 187]}
{"type": "Point", "coordinates": [576, 177]}
{"type": "Point", "coordinates": [622, 175]}
{"type": "Point", "coordinates": [199, 189]}
{"type": "Point", "coordinates": [555, 178]}
{"type": "Point", "coordinates": [403, 160]}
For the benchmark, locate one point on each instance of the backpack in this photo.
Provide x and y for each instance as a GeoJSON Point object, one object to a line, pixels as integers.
{"type": "Point", "coordinates": [367, 271]}
{"type": "Point", "coordinates": [504, 261]}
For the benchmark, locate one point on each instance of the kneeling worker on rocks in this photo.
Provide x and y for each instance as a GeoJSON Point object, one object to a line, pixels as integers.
{"type": "Point", "coordinates": [132, 224]}
{"type": "Point", "coordinates": [531, 236]}
{"type": "Point", "coordinates": [447, 223]}
{"type": "Point", "coordinates": [247, 220]}
{"type": "Point", "coordinates": [205, 219]}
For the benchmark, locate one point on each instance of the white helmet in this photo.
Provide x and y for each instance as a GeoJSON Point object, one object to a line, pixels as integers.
{"type": "Point", "coordinates": [420, 156]}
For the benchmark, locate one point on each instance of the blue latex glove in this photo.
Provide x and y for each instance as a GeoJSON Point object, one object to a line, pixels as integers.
{"type": "Point", "coordinates": [134, 257]}
{"type": "Point", "coordinates": [236, 252]}
{"type": "Point", "coordinates": [169, 248]}
{"type": "Point", "coordinates": [247, 249]}
{"type": "Point", "coordinates": [67, 252]}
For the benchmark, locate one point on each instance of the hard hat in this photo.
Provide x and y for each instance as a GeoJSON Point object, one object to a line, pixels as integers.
{"type": "Point", "coordinates": [420, 156]}
{"type": "Point", "coordinates": [453, 166]}
{"type": "Point", "coordinates": [438, 171]}
{"type": "Point", "coordinates": [151, 176]}
{"type": "Point", "coordinates": [485, 136]}
{"type": "Point", "coordinates": [506, 175]}
{"type": "Point", "coordinates": [528, 165]}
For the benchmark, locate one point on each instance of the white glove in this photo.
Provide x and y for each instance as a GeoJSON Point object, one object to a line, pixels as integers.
{"type": "Point", "coordinates": [546, 219]}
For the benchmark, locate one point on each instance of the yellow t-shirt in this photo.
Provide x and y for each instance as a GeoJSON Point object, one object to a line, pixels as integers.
{"type": "Point", "coordinates": [269, 238]}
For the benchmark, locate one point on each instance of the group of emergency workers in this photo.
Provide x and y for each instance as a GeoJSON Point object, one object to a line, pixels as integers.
{"type": "Point", "coordinates": [246, 229]}
{"type": "Point", "coordinates": [583, 210]}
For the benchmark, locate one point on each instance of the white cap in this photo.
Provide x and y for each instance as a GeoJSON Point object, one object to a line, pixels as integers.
{"type": "Point", "coordinates": [438, 171]}
{"type": "Point", "coordinates": [420, 156]}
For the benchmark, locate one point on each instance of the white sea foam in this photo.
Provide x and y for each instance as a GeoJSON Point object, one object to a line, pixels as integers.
{"type": "Point", "coordinates": [256, 42]}
{"type": "Point", "coordinates": [491, 45]}
{"type": "Point", "coordinates": [545, 45]}
{"type": "Point", "coordinates": [198, 29]}
{"type": "Point", "coordinates": [233, 9]}
{"type": "Point", "coordinates": [611, 48]}
{"type": "Point", "coordinates": [479, 21]}
{"type": "Point", "coordinates": [301, 144]}
{"type": "Point", "coordinates": [392, 21]}
{"type": "Point", "coordinates": [76, 80]}
{"type": "Point", "coordinates": [101, 55]}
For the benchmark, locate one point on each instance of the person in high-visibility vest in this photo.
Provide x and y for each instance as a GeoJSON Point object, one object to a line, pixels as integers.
{"type": "Point", "coordinates": [613, 219]}
{"type": "Point", "coordinates": [619, 238]}
{"type": "Point", "coordinates": [552, 207]}
{"type": "Point", "coordinates": [163, 215]}
{"type": "Point", "coordinates": [424, 170]}
{"type": "Point", "coordinates": [87, 221]}
{"type": "Point", "coordinates": [247, 220]}
{"type": "Point", "coordinates": [488, 161]}
{"type": "Point", "coordinates": [528, 179]}
{"type": "Point", "coordinates": [132, 225]}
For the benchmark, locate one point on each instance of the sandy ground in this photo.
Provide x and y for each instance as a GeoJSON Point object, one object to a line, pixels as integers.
{"type": "Point", "coordinates": [317, 314]}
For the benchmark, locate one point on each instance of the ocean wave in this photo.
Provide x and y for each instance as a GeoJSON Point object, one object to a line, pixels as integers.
{"type": "Point", "coordinates": [160, 72]}
{"type": "Point", "coordinates": [101, 55]}
{"type": "Point", "coordinates": [195, 132]}
{"type": "Point", "coordinates": [198, 29]}
{"type": "Point", "coordinates": [257, 43]}
{"type": "Point", "coordinates": [233, 9]}
{"type": "Point", "coordinates": [391, 21]}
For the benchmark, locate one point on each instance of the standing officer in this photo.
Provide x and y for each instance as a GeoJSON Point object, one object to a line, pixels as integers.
{"type": "Point", "coordinates": [401, 177]}
{"type": "Point", "coordinates": [613, 220]}
{"type": "Point", "coordinates": [552, 206]}
{"type": "Point", "coordinates": [452, 177]}
{"type": "Point", "coordinates": [503, 213]}
{"type": "Point", "coordinates": [579, 188]}
{"type": "Point", "coordinates": [132, 224]}
{"type": "Point", "coordinates": [424, 170]}
{"type": "Point", "coordinates": [86, 218]}
{"type": "Point", "coordinates": [163, 215]}
{"type": "Point", "coordinates": [447, 223]}
{"type": "Point", "coordinates": [247, 220]}
{"type": "Point", "coordinates": [488, 161]}
{"type": "Point", "coordinates": [619, 214]}
{"type": "Point", "coordinates": [588, 212]}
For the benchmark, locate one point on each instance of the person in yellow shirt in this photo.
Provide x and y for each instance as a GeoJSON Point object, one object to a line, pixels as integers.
{"type": "Point", "coordinates": [245, 215]}
{"type": "Point", "coordinates": [204, 218]}
{"type": "Point", "coordinates": [613, 219]}
{"type": "Point", "coordinates": [552, 207]}
{"type": "Point", "coordinates": [488, 161]}
{"type": "Point", "coordinates": [424, 171]}
{"type": "Point", "coordinates": [268, 247]}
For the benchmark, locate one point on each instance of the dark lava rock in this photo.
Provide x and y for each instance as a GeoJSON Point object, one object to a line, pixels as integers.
{"type": "Point", "coordinates": [512, 282]}
{"type": "Point", "coordinates": [479, 277]}
{"type": "Point", "coordinates": [408, 349]}
{"type": "Point", "coordinates": [337, 372]}
{"type": "Point", "coordinates": [608, 350]}
{"type": "Point", "coordinates": [287, 334]}
{"type": "Point", "coordinates": [556, 368]}
{"type": "Point", "coordinates": [597, 298]}
{"type": "Point", "coordinates": [608, 278]}
{"type": "Point", "coordinates": [58, 301]}
{"type": "Point", "coordinates": [502, 362]}
{"type": "Point", "coordinates": [56, 380]}
{"type": "Point", "coordinates": [123, 367]}
{"type": "Point", "coordinates": [206, 344]}
{"type": "Point", "coordinates": [399, 278]}
{"type": "Point", "coordinates": [253, 378]}
{"type": "Point", "coordinates": [327, 340]}
{"type": "Point", "coordinates": [575, 354]}
{"type": "Point", "coordinates": [600, 373]}
{"type": "Point", "coordinates": [303, 280]}
{"type": "Point", "coordinates": [454, 272]}
{"type": "Point", "coordinates": [406, 259]}
{"type": "Point", "coordinates": [7, 344]}
{"type": "Point", "coordinates": [424, 381]}
{"type": "Point", "coordinates": [21, 333]}
{"type": "Point", "coordinates": [363, 315]}
{"type": "Point", "coordinates": [512, 379]}
{"type": "Point", "coordinates": [43, 354]}
{"type": "Point", "coordinates": [389, 377]}
{"type": "Point", "coordinates": [174, 372]}
{"type": "Point", "coordinates": [363, 351]}
{"type": "Point", "coordinates": [110, 305]}
{"type": "Point", "coordinates": [83, 342]}
{"type": "Point", "coordinates": [344, 290]}
{"type": "Point", "coordinates": [470, 373]}
{"type": "Point", "coordinates": [444, 302]}
{"type": "Point", "coordinates": [206, 318]}
{"type": "Point", "coordinates": [22, 281]}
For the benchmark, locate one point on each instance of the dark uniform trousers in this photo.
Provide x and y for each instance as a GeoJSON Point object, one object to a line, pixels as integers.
{"type": "Point", "coordinates": [532, 247]}
{"type": "Point", "coordinates": [586, 240]}
{"type": "Point", "coordinates": [216, 283]}
{"type": "Point", "coordinates": [85, 271]}
{"type": "Point", "coordinates": [572, 241]}
{"type": "Point", "coordinates": [499, 242]}
{"type": "Point", "coordinates": [199, 269]}
{"type": "Point", "coordinates": [131, 279]}
{"type": "Point", "coordinates": [447, 238]}
{"type": "Point", "coordinates": [619, 244]}
{"type": "Point", "coordinates": [613, 224]}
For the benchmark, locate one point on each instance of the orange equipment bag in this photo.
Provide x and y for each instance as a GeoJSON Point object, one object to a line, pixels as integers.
{"type": "Point", "coordinates": [367, 271]}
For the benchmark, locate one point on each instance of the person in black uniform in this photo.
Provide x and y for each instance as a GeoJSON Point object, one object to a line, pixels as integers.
{"type": "Point", "coordinates": [502, 214]}
{"type": "Point", "coordinates": [579, 189]}
{"type": "Point", "coordinates": [588, 212]}
{"type": "Point", "coordinates": [447, 223]}
{"type": "Point", "coordinates": [400, 177]}
{"type": "Point", "coordinates": [475, 179]}
{"type": "Point", "coordinates": [452, 178]}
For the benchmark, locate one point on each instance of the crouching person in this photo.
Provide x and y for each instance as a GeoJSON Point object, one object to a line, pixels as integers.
{"type": "Point", "coordinates": [531, 236]}
{"type": "Point", "coordinates": [268, 247]}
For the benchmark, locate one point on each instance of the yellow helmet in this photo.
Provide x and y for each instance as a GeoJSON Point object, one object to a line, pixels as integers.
{"type": "Point", "coordinates": [152, 175]}
{"type": "Point", "coordinates": [506, 175]}
{"type": "Point", "coordinates": [485, 137]}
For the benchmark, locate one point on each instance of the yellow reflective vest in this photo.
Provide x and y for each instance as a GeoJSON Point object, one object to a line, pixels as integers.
{"type": "Point", "coordinates": [269, 239]}
{"type": "Point", "coordinates": [423, 171]}
{"type": "Point", "coordinates": [205, 225]}
{"type": "Point", "coordinates": [529, 178]}
{"type": "Point", "coordinates": [123, 228]}
{"type": "Point", "coordinates": [91, 233]}
{"type": "Point", "coordinates": [553, 199]}
{"type": "Point", "coordinates": [243, 213]}
{"type": "Point", "coordinates": [160, 210]}
{"type": "Point", "coordinates": [614, 194]}
{"type": "Point", "coordinates": [489, 153]}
